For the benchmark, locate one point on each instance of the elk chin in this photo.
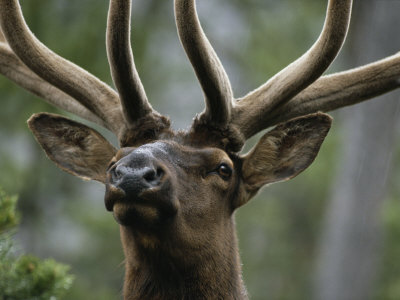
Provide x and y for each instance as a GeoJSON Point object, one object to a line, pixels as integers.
{"type": "Point", "coordinates": [151, 210]}
{"type": "Point", "coordinates": [136, 215]}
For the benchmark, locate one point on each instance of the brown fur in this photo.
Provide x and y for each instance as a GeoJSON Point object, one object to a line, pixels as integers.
{"type": "Point", "coordinates": [74, 147]}
{"type": "Point", "coordinates": [181, 260]}
{"type": "Point", "coordinates": [179, 237]}
{"type": "Point", "coordinates": [174, 194]}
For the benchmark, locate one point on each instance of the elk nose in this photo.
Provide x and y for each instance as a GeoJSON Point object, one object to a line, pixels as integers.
{"type": "Point", "coordinates": [138, 179]}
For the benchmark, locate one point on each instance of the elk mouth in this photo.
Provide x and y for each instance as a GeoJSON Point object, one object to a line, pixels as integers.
{"type": "Point", "coordinates": [113, 195]}
{"type": "Point", "coordinates": [148, 207]}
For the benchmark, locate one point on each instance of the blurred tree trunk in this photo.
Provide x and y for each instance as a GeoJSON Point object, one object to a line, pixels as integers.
{"type": "Point", "coordinates": [351, 240]}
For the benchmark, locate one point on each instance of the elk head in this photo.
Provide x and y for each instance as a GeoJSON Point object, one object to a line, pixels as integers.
{"type": "Point", "coordinates": [174, 193]}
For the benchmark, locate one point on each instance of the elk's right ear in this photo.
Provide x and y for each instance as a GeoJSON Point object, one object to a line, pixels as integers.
{"type": "Point", "coordinates": [284, 152]}
{"type": "Point", "coordinates": [74, 147]}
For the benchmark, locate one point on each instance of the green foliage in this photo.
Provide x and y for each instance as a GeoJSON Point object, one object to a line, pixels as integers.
{"type": "Point", "coordinates": [30, 278]}
{"type": "Point", "coordinates": [25, 276]}
{"type": "Point", "coordinates": [8, 215]}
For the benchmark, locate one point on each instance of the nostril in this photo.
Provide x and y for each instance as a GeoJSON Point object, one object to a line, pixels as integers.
{"type": "Point", "coordinates": [117, 173]}
{"type": "Point", "coordinates": [153, 176]}
{"type": "Point", "coordinates": [150, 175]}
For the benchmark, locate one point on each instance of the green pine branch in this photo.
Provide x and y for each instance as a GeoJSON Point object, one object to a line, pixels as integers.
{"type": "Point", "coordinates": [25, 276]}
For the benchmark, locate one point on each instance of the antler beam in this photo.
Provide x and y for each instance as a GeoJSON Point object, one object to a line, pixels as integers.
{"type": "Point", "coordinates": [342, 89]}
{"type": "Point", "coordinates": [259, 104]}
{"type": "Point", "coordinates": [208, 68]}
{"type": "Point", "coordinates": [88, 90]}
{"type": "Point", "coordinates": [126, 79]}
{"type": "Point", "coordinates": [12, 68]}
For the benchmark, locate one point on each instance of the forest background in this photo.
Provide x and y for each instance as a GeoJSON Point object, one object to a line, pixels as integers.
{"type": "Point", "coordinates": [331, 233]}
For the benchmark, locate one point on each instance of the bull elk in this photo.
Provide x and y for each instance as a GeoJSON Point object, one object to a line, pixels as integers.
{"type": "Point", "coordinates": [174, 193]}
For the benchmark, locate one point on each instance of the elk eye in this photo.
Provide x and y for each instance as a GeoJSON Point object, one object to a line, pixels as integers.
{"type": "Point", "coordinates": [224, 171]}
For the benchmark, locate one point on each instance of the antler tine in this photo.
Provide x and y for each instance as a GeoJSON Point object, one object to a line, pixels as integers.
{"type": "Point", "coordinates": [209, 70]}
{"type": "Point", "coordinates": [342, 89]}
{"type": "Point", "coordinates": [12, 68]}
{"type": "Point", "coordinates": [95, 95]}
{"type": "Point", "coordinates": [259, 104]}
{"type": "Point", "coordinates": [2, 38]}
{"type": "Point", "coordinates": [126, 79]}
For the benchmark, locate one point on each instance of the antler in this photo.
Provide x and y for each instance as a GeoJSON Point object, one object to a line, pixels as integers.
{"type": "Point", "coordinates": [126, 79]}
{"type": "Point", "coordinates": [12, 67]}
{"type": "Point", "coordinates": [252, 109]}
{"type": "Point", "coordinates": [209, 70]}
{"type": "Point", "coordinates": [290, 93]}
{"type": "Point", "coordinates": [342, 89]}
{"type": "Point", "coordinates": [248, 113]}
{"type": "Point", "coordinates": [136, 108]}
{"type": "Point", "coordinates": [88, 90]}
{"type": "Point", "coordinates": [68, 86]}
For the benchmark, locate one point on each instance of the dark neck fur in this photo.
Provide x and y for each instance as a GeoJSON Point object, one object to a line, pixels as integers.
{"type": "Point", "coordinates": [156, 272]}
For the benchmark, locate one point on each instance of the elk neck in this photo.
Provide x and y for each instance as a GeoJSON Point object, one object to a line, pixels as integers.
{"type": "Point", "coordinates": [166, 268]}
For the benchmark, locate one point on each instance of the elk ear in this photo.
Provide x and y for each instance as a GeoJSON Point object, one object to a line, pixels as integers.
{"type": "Point", "coordinates": [285, 151]}
{"type": "Point", "coordinates": [74, 147]}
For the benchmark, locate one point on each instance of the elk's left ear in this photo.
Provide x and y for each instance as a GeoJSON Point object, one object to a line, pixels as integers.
{"type": "Point", "coordinates": [285, 151]}
{"type": "Point", "coordinates": [74, 147]}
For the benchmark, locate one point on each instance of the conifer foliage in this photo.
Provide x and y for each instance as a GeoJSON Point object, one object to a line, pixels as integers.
{"type": "Point", "coordinates": [25, 276]}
